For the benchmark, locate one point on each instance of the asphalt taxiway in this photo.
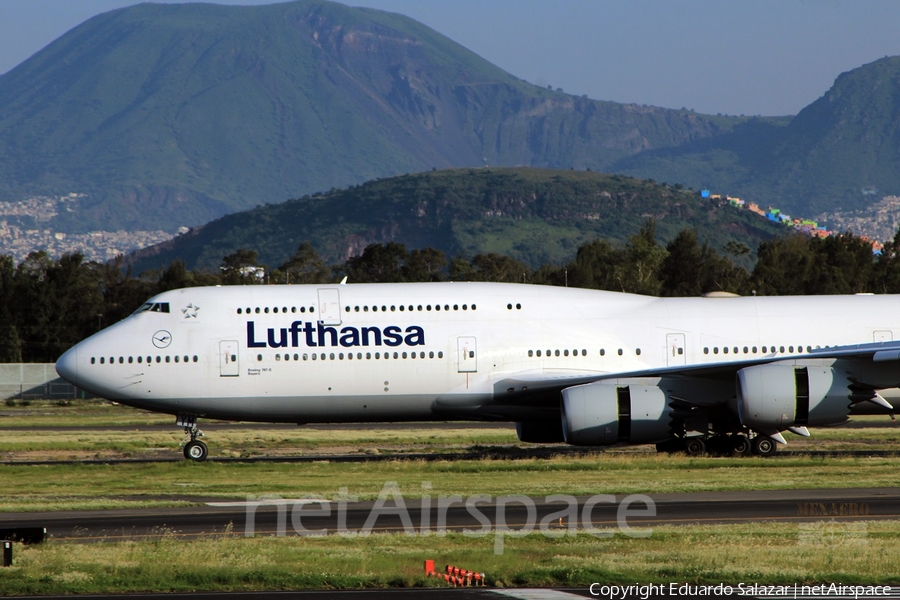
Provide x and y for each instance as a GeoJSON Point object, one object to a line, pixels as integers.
{"type": "Point", "coordinates": [393, 513]}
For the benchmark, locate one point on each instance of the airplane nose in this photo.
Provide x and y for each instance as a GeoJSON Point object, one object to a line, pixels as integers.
{"type": "Point", "coordinates": [67, 366]}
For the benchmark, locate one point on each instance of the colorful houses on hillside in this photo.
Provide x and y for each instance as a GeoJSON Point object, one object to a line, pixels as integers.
{"type": "Point", "coordinates": [775, 215]}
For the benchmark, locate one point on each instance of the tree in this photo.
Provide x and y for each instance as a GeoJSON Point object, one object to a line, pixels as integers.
{"type": "Point", "coordinates": [498, 268]}
{"type": "Point", "coordinates": [682, 270]}
{"type": "Point", "coordinates": [643, 257]}
{"type": "Point", "coordinates": [304, 266]}
{"type": "Point", "coordinates": [884, 277]}
{"type": "Point", "coordinates": [10, 344]}
{"type": "Point", "coordinates": [241, 268]}
{"type": "Point", "coordinates": [595, 266]}
{"type": "Point", "coordinates": [427, 264]}
{"type": "Point", "coordinates": [782, 266]}
{"type": "Point", "coordinates": [378, 264]}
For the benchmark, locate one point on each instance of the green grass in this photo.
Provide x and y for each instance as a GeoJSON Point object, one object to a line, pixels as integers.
{"type": "Point", "coordinates": [56, 487]}
{"type": "Point", "coordinates": [786, 553]}
{"type": "Point", "coordinates": [638, 470]}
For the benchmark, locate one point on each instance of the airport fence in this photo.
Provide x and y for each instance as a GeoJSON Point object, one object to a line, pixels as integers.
{"type": "Point", "coordinates": [36, 381]}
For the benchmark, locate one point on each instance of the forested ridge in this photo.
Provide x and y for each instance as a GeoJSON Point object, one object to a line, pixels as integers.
{"type": "Point", "coordinates": [48, 305]}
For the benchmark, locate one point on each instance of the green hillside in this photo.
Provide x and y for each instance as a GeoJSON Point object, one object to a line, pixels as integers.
{"type": "Point", "coordinates": [538, 216]}
{"type": "Point", "coordinates": [170, 115]}
{"type": "Point", "coordinates": [840, 152]}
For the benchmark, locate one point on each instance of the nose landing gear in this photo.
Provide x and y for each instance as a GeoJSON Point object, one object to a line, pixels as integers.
{"type": "Point", "coordinates": [193, 449]}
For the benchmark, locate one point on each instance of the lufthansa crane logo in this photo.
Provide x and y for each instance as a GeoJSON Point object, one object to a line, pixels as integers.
{"type": "Point", "coordinates": [162, 339]}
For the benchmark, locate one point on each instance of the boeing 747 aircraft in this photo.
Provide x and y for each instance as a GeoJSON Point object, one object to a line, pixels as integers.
{"type": "Point", "coordinates": [587, 367]}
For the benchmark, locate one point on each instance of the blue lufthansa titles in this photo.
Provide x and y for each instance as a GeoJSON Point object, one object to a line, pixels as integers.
{"type": "Point", "coordinates": [323, 335]}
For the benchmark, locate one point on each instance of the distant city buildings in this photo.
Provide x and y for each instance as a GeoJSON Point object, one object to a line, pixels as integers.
{"type": "Point", "coordinates": [27, 226]}
{"type": "Point", "coordinates": [878, 222]}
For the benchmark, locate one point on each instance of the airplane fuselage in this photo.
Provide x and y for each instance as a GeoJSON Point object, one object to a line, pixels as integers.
{"type": "Point", "coordinates": [392, 352]}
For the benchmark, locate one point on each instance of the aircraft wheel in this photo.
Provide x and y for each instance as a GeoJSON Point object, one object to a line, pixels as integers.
{"type": "Point", "coordinates": [740, 445]}
{"type": "Point", "coordinates": [764, 445]}
{"type": "Point", "coordinates": [195, 450]}
{"type": "Point", "coordinates": [695, 447]}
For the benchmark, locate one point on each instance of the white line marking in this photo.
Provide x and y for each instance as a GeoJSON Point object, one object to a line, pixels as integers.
{"type": "Point", "coordinates": [263, 502]}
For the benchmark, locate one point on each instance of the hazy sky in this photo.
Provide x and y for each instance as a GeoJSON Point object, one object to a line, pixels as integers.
{"type": "Point", "coordinates": [769, 57]}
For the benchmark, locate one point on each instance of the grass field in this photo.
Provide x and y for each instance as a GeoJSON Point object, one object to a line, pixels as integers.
{"type": "Point", "coordinates": [57, 487]}
{"type": "Point", "coordinates": [784, 553]}
{"type": "Point", "coordinates": [83, 486]}
{"type": "Point", "coordinates": [761, 553]}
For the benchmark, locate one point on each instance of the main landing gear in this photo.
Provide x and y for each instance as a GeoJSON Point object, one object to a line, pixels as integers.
{"type": "Point", "coordinates": [193, 449]}
{"type": "Point", "coordinates": [736, 444]}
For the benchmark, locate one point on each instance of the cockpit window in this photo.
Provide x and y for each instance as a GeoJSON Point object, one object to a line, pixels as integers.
{"type": "Point", "coordinates": [161, 307]}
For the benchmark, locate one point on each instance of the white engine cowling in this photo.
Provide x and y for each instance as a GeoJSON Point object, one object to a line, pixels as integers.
{"type": "Point", "coordinates": [601, 414]}
{"type": "Point", "coordinates": [774, 397]}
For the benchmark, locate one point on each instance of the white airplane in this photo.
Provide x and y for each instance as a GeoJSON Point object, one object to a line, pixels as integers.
{"type": "Point", "coordinates": [587, 367]}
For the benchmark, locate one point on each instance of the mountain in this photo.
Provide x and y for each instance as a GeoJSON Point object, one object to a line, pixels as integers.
{"type": "Point", "coordinates": [538, 216]}
{"type": "Point", "coordinates": [168, 115]}
{"type": "Point", "coordinates": [842, 152]}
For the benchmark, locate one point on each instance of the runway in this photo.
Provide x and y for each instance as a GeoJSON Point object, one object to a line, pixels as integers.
{"type": "Point", "coordinates": [414, 515]}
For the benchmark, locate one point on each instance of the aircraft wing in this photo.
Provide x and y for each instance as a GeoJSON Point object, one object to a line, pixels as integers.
{"type": "Point", "coordinates": [535, 387]}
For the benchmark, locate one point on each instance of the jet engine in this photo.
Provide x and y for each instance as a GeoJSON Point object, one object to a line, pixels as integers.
{"type": "Point", "coordinates": [772, 398]}
{"type": "Point", "coordinates": [604, 413]}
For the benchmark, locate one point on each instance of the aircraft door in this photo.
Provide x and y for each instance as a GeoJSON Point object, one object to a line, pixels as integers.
{"type": "Point", "coordinates": [330, 306]}
{"type": "Point", "coordinates": [883, 336]}
{"type": "Point", "coordinates": [467, 355]}
{"type": "Point", "coordinates": [675, 351]}
{"type": "Point", "coordinates": [228, 359]}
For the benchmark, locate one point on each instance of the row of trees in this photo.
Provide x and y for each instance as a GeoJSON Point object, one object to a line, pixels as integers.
{"type": "Point", "coordinates": [48, 305]}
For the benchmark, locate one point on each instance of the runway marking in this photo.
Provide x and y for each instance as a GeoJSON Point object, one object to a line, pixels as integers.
{"type": "Point", "coordinates": [536, 594]}
{"type": "Point", "coordinates": [266, 502]}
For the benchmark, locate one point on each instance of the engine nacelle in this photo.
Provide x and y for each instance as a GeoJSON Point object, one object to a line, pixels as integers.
{"type": "Point", "coordinates": [774, 397]}
{"type": "Point", "coordinates": [602, 414]}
